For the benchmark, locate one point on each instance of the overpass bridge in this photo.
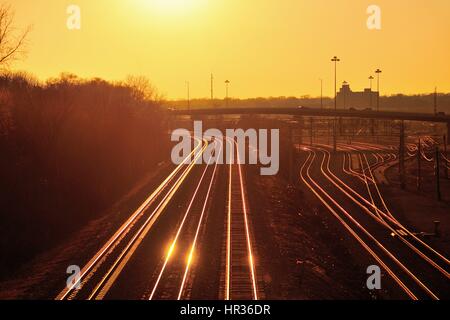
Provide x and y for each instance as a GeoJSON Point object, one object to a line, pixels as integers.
{"type": "Point", "coordinates": [311, 112]}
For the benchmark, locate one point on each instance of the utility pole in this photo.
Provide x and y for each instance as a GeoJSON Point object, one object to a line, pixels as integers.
{"type": "Point", "coordinates": [401, 155]}
{"type": "Point", "coordinates": [372, 127]}
{"type": "Point", "coordinates": [321, 93]}
{"type": "Point", "coordinates": [291, 156]}
{"type": "Point", "coordinates": [378, 72]}
{"type": "Point", "coordinates": [212, 87]}
{"type": "Point", "coordinates": [446, 157]}
{"type": "Point", "coordinates": [335, 60]}
{"type": "Point", "coordinates": [329, 132]}
{"type": "Point", "coordinates": [435, 101]}
{"type": "Point", "coordinates": [311, 130]}
{"type": "Point", "coordinates": [227, 84]}
{"type": "Point", "coordinates": [371, 94]}
{"type": "Point", "coordinates": [419, 165]}
{"type": "Point", "coordinates": [438, 173]}
{"type": "Point", "coordinates": [188, 95]}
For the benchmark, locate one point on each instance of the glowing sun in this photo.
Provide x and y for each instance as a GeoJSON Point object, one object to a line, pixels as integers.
{"type": "Point", "coordinates": [174, 6]}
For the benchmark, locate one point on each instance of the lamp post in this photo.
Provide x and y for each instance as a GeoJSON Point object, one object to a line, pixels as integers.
{"type": "Point", "coordinates": [435, 102]}
{"type": "Point", "coordinates": [212, 87]}
{"type": "Point", "coordinates": [188, 94]}
{"type": "Point", "coordinates": [321, 93]}
{"type": "Point", "coordinates": [378, 72]}
{"type": "Point", "coordinates": [227, 85]}
{"type": "Point", "coordinates": [371, 81]}
{"type": "Point", "coordinates": [335, 60]}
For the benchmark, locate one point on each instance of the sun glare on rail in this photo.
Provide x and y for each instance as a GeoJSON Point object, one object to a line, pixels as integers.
{"type": "Point", "coordinates": [170, 251]}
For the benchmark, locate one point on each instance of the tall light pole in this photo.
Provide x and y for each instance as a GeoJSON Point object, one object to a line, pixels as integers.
{"type": "Point", "coordinates": [335, 60]}
{"type": "Point", "coordinates": [227, 84]}
{"type": "Point", "coordinates": [212, 87]}
{"type": "Point", "coordinates": [188, 88]}
{"type": "Point", "coordinates": [344, 85]}
{"type": "Point", "coordinates": [378, 72]}
{"type": "Point", "coordinates": [370, 82]}
{"type": "Point", "coordinates": [435, 101]}
{"type": "Point", "coordinates": [321, 93]}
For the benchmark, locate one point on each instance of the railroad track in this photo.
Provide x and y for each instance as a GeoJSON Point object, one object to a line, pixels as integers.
{"type": "Point", "coordinates": [102, 270]}
{"type": "Point", "coordinates": [419, 270]}
{"type": "Point", "coordinates": [239, 280]}
{"type": "Point", "coordinates": [172, 279]}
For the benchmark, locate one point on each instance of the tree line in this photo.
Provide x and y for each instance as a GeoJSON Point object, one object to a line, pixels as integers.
{"type": "Point", "coordinates": [69, 148]}
{"type": "Point", "coordinates": [423, 103]}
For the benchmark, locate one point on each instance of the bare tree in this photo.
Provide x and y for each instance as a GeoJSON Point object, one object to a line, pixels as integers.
{"type": "Point", "coordinates": [143, 88]}
{"type": "Point", "coordinates": [12, 40]}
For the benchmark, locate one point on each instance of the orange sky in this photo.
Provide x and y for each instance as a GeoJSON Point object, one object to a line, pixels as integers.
{"type": "Point", "coordinates": [264, 47]}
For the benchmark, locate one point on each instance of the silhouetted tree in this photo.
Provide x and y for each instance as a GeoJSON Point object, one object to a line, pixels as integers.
{"type": "Point", "coordinates": [70, 147]}
{"type": "Point", "coordinates": [12, 41]}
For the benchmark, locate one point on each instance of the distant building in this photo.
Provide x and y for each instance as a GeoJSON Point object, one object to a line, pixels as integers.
{"type": "Point", "coordinates": [346, 98]}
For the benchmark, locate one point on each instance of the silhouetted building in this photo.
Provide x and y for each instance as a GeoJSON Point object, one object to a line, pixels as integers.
{"type": "Point", "coordinates": [346, 98]}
